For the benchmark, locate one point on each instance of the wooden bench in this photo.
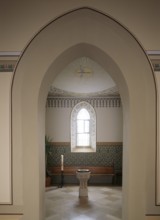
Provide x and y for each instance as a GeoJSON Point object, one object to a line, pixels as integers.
{"type": "Point", "coordinates": [95, 171]}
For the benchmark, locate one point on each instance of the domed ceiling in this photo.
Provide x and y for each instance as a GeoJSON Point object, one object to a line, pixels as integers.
{"type": "Point", "coordinates": [83, 77]}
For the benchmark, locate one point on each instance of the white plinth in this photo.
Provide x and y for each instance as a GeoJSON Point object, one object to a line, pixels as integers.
{"type": "Point", "coordinates": [83, 175]}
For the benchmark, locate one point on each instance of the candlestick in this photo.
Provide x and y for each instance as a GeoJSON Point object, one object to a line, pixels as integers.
{"type": "Point", "coordinates": [62, 161]}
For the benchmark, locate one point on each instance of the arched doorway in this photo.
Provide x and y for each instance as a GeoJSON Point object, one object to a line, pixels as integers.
{"type": "Point", "coordinates": [84, 32]}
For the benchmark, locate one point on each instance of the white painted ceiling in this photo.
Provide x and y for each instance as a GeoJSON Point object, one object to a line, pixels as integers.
{"type": "Point", "coordinates": [83, 77]}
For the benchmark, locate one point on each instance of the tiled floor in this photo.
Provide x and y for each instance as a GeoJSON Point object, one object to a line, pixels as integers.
{"type": "Point", "coordinates": [103, 203]}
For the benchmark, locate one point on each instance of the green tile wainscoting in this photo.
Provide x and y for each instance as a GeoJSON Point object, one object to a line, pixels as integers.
{"type": "Point", "coordinates": [107, 154]}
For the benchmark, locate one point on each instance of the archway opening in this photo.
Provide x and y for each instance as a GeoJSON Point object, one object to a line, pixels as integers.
{"type": "Point", "coordinates": [104, 40]}
{"type": "Point", "coordinates": [70, 93]}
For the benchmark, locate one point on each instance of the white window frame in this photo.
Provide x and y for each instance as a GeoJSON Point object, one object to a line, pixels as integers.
{"type": "Point", "coordinates": [74, 113]}
{"type": "Point", "coordinates": [83, 132]}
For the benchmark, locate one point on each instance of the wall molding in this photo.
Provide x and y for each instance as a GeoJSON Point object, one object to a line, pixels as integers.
{"type": "Point", "coordinates": [10, 53]}
{"type": "Point", "coordinates": [153, 52]}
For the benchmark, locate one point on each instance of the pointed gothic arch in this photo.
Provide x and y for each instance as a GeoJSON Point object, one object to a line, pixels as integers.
{"type": "Point", "coordinates": [89, 32]}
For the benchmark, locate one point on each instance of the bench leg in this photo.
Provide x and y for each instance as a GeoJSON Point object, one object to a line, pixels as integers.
{"type": "Point", "coordinates": [113, 180]}
{"type": "Point", "coordinates": [62, 179]}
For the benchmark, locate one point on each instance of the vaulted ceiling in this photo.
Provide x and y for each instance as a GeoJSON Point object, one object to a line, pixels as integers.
{"type": "Point", "coordinates": [83, 77]}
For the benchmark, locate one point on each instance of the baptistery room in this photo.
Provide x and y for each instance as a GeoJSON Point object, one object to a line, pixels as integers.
{"type": "Point", "coordinates": [79, 114]}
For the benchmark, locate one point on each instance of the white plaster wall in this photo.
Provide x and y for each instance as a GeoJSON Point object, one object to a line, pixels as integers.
{"type": "Point", "coordinates": [109, 124]}
{"type": "Point", "coordinates": [140, 17]}
{"type": "Point", "coordinates": [58, 124]}
{"type": "Point", "coordinates": [11, 217]}
{"type": "Point", "coordinates": [5, 144]}
{"type": "Point", "coordinates": [10, 163]}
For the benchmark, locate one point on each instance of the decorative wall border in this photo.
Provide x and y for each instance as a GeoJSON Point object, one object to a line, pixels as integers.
{"type": "Point", "coordinates": [70, 102]}
{"type": "Point", "coordinates": [7, 64]}
{"type": "Point", "coordinates": [56, 92]}
{"type": "Point", "coordinates": [156, 64]}
{"type": "Point", "coordinates": [7, 67]}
